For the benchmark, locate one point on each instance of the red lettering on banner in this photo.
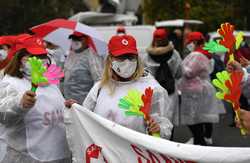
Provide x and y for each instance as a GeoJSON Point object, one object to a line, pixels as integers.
{"type": "Point", "coordinates": [152, 157]}
{"type": "Point", "coordinates": [166, 159]}
{"type": "Point", "coordinates": [93, 151]}
{"type": "Point", "coordinates": [139, 152]}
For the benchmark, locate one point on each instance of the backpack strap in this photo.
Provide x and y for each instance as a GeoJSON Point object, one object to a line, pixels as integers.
{"type": "Point", "coordinates": [98, 92]}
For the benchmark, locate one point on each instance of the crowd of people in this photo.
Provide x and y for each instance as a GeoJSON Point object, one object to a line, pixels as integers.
{"type": "Point", "coordinates": [32, 128]}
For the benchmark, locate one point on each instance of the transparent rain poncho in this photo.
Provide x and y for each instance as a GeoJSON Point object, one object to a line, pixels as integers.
{"type": "Point", "coordinates": [82, 70]}
{"type": "Point", "coordinates": [198, 101]}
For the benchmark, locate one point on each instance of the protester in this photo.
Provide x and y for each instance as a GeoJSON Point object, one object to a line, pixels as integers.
{"type": "Point", "coordinates": [56, 54]}
{"type": "Point", "coordinates": [35, 131]}
{"type": "Point", "coordinates": [199, 107]}
{"type": "Point", "coordinates": [164, 63]}
{"type": "Point", "coordinates": [176, 38]}
{"type": "Point", "coordinates": [244, 62]}
{"type": "Point", "coordinates": [120, 30]}
{"type": "Point", "coordinates": [82, 68]}
{"type": "Point", "coordinates": [244, 115]}
{"type": "Point", "coordinates": [5, 55]}
{"type": "Point", "coordinates": [6, 42]}
{"type": "Point", "coordinates": [124, 72]}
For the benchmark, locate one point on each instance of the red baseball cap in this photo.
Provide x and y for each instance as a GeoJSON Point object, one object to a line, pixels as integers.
{"type": "Point", "coordinates": [121, 45]}
{"type": "Point", "coordinates": [16, 41]}
{"type": "Point", "coordinates": [34, 45]}
{"type": "Point", "coordinates": [7, 40]}
{"type": "Point", "coordinates": [160, 34]}
{"type": "Point", "coordinates": [194, 36]}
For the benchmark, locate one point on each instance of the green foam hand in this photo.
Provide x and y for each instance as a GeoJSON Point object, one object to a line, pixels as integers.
{"type": "Point", "coordinates": [132, 103]}
{"type": "Point", "coordinates": [219, 83]}
{"type": "Point", "coordinates": [37, 70]}
{"type": "Point", "coordinates": [214, 47]}
{"type": "Point", "coordinates": [124, 104]}
{"type": "Point", "coordinates": [239, 39]}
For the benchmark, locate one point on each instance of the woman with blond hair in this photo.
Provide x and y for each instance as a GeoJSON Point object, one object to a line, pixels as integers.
{"type": "Point", "coordinates": [124, 72]}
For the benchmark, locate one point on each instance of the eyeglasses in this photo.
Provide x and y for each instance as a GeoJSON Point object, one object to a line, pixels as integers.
{"type": "Point", "coordinates": [124, 57]}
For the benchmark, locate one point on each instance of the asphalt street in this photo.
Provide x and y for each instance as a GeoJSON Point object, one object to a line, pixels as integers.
{"type": "Point", "coordinates": [223, 134]}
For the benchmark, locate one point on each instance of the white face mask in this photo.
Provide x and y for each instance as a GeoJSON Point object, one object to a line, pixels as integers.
{"type": "Point", "coordinates": [190, 46]}
{"type": "Point", "coordinates": [124, 69]}
{"type": "Point", "coordinates": [76, 45]}
{"type": "Point", "coordinates": [3, 54]}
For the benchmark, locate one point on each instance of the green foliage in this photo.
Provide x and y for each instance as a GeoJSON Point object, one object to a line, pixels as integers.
{"type": "Point", "coordinates": [212, 12]}
{"type": "Point", "coordinates": [16, 16]}
{"type": "Point", "coordinates": [156, 10]}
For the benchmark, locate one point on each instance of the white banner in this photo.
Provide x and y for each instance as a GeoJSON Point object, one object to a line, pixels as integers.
{"type": "Point", "coordinates": [94, 139]}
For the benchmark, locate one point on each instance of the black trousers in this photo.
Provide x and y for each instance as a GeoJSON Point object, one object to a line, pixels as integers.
{"type": "Point", "coordinates": [200, 131]}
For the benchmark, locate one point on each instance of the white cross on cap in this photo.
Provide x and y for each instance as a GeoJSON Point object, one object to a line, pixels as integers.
{"type": "Point", "coordinates": [39, 41]}
{"type": "Point", "coordinates": [124, 42]}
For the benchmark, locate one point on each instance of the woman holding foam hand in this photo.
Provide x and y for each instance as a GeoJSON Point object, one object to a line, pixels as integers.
{"type": "Point", "coordinates": [35, 131]}
{"type": "Point", "coordinates": [124, 74]}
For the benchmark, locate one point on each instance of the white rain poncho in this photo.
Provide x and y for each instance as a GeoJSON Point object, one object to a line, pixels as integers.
{"type": "Point", "coordinates": [2, 131]}
{"type": "Point", "coordinates": [198, 101]}
{"type": "Point", "coordinates": [175, 66]}
{"type": "Point", "coordinates": [35, 135]}
{"type": "Point", "coordinates": [1, 74]}
{"type": "Point", "coordinates": [82, 70]}
{"type": "Point", "coordinates": [2, 142]}
{"type": "Point", "coordinates": [106, 105]}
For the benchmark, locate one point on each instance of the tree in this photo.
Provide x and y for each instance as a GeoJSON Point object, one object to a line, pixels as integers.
{"type": "Point", "coordinates": [212, 12]}
{"type": "Point", "coordinates": [19, 15]}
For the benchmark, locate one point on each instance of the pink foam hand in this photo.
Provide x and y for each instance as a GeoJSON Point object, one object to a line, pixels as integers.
{"type": "Point", "coordinates": [54, 74]}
